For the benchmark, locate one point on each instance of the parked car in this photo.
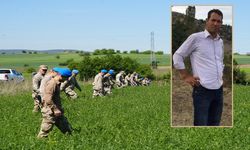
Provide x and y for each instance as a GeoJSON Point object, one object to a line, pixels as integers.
{"type": "Point", "coordinates": [10, 75]}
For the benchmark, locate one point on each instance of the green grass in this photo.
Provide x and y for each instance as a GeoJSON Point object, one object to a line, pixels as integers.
{"type": "Point", "coordinates": [242, 59]}
{"type": "Point", "coordinates": [34, 60]}
{"type": "Point", "coordinates": [132, 118]}
{"type": "Point", "coordinates": [247, 70]}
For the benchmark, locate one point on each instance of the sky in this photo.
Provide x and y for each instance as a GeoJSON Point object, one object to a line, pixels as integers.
{"type": "Point", "coordinates": [96, 24]}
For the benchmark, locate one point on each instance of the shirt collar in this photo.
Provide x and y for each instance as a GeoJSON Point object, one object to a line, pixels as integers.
{"type": "Point", "coordinates": [207, 34]}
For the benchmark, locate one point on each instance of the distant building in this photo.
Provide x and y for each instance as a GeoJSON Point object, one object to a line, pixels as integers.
{"type": "Point", "coordinates": [190, 11]}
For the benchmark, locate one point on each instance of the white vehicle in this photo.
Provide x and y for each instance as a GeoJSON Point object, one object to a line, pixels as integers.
{"type": "Point", "coordinates": [10, 75]}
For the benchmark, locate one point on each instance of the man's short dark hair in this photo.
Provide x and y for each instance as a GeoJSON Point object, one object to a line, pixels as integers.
{"type": "Point", "coordinates": [217, 11]}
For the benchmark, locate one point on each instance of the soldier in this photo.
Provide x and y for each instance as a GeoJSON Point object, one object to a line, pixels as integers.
{"type": "Point", "coordinates": [133, 79]}
{"type": "Point", "coordinates": [111, 78]}
{"type": "Point", "coordinates": [52, 110]}
{"type": "Point", "coordinates": [108, 82]}
{"type": "Point", "coordinates": [69, 85]}
{"type": "Point", "coordinates": [127, 79]}
{"type": "Point", "coordinates": [146, 81]}
{"type": "Point", "coordinates": [120, 81]}
{"type": "Point", "coordinates": [98, 84]}
{"type": "Point", "coordinates": [51, 74]}
{"type": "Point", "coordinates": [36, 81]}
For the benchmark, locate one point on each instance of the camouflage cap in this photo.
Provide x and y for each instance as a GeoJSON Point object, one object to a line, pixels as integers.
{"type": "Point", "coordinates": [43, 67]}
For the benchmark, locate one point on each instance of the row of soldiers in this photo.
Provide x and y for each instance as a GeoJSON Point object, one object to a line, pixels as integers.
{"type": "Point", "coordinates": [104, 81]}
{"type": "Point", "coordinates": [47, 87]}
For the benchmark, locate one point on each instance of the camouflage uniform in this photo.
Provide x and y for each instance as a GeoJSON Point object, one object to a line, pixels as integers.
{"type": "Point", "coordinates": [68, 87]}
{"type": "Point", "coordinates": [98, 85]}
{"type": "Point", "coordinates": [133, 79]}
{"type": "Point", "coordinates": [52, 103]}
{"type": "Point", "coordinates": [127, 80]}
{"type": "Point", "coordinates": [36, 95]}
{"type": "Point", "coordinates": [108, 83]}
{"type": "Point", "coordinates": [44, 81]}
{"type": "Point", "coordinates": [120, 79]}
{"type": "Point", "coordinates": [145, 82]}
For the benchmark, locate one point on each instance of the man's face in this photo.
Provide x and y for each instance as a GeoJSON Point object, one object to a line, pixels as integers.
{"type": "Point", "coordinates": [43, 71]}
{"type": "Point", "coordinates": [213, 24]}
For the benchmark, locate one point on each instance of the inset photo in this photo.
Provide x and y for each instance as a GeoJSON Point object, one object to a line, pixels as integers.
{"type": "Point", "coordinates": [202, 66]}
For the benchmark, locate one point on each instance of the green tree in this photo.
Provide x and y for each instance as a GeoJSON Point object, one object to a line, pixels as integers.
{"type": "Point", "coordinates": [239, 77]}
{"type": "Point", "coordinates": [145, 71]}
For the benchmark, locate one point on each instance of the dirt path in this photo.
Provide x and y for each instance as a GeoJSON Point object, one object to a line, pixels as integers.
{"type": "Point", "coordinates": [245, 66]}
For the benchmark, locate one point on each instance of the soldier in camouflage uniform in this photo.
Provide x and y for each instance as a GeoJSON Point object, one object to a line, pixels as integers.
{"type": "Point", "coordinates": [98, 84]}
{"type": "Point", "coordinates": [69, 85]}
{"type": "Point", "coordinates": [108, 82]}
{"type": "Point", "coordinates": [51, 74]}
{"type": "Point", "coordinates": [52, 110]}
{"type": "Point", "coordinates": [36, 82]}
{"type": "Point", "coordinates": [146, 82]}
{"type": "Point", "coordinates": [127, 80]}
{"type": "Point", "coordinates": [120, 81]}
{"type": "Point", "coordinates": [133, 79]}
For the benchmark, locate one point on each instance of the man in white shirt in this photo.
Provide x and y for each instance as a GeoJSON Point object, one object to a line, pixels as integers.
{"type": "Point", "coordinates": [206, 55]}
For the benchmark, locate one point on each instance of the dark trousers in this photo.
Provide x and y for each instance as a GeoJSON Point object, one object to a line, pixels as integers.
{"type": "Point", "coordinates": [208, 106]}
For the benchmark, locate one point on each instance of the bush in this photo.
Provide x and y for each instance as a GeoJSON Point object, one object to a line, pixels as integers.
{"type": "Point", "coordinates": [104, 51]}
{"type": "Point", "coordinates": [30, 70]}
{"type": "Point", "coordinates": [146, 52]}
{"type": "Point", "coordinates": [26, 65]}
{"type": "Point", "coordinates": [145, 71]}
{"type": "Point", "coordinates": [89, 67]}
{"type": "Point", "coordinates": [159, 52]}
{"type": "Point", "coordinates": [67, 62]}
{"type": "Point", "coordinates": [134, 51]}
{"type": "Point", "coordinates": [240, 77]}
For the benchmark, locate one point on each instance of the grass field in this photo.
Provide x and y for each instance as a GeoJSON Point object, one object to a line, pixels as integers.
{"type": "Point", "coordinates": [242, 59]}
{"type": "Point", "coordinates": [132, 118]}
{"type": "Point", "coordinates": [34, 60]}
{"type": "Point", "coordinates": [247, 70]}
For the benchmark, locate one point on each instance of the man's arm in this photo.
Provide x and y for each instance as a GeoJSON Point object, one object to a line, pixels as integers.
{"type": "Point", "coordinates": [77, 85]}
{"type": "Point", "coordinates": [178, 61]}
{"type": "Point", "coordinates": [188, 78]}
{"type": "Point", "coordinates": [35, 83]}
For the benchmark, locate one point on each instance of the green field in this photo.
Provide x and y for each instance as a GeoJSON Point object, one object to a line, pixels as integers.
{"type": "Point", "coordinates": [247, 70]}
{"type": "Point", "coordinates": [34, 60]}
{"type": "Point", "coordinates": [242, 59]}
{"type": "Point", "coordinates": [132, 118]}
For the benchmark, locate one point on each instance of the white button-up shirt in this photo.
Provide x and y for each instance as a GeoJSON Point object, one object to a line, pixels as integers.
{"type": "Point", "coordinates": [206, 55]}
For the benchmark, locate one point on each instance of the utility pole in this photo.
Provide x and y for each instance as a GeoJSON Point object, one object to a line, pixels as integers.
{"type": "Point", "coordinates": [152, 56]}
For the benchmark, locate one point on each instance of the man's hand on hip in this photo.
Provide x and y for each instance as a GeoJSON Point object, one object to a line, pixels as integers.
{"type": "Point", "coordinates": [193, 81]}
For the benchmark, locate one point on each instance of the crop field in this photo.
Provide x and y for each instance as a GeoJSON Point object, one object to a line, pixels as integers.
{"type": "Point", "coordinates": [132, 118]}
{"type": "Point", "coordinates": [19, 61]}
{"type": "Point", "coordinates": [242, 59]}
